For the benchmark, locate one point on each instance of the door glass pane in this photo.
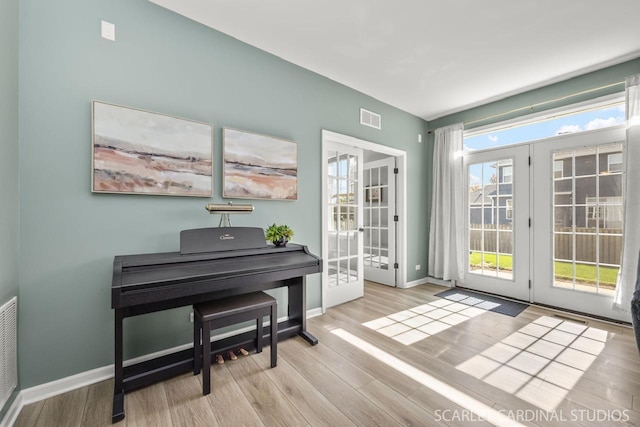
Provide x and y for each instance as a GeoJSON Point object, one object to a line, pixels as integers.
{"type": "Point", "coordinates": [491, 216]}
{"type": "Point", "coordinates": [384, 260]}
{"type": "Point", "coordinates": [375, 238]}
{"type": "Point", "coordinates": [353, 269]}
{"type": "Point", "coordinates": [384, 176]}
{"type": "Point", "coordinates": [384, 217]}
{"type": "Point", "coordinates": [333, 273]}
{"type": "Point", "coordinates": [333, 245]}
{"type": "Point", "coordinates": [375, 217]}
{"type": "Point", "coordinates": [375, 258]}
{"type": "Point", "coordinates": [587, 218]}
{"type": "Point", "coordinates": [353, 244]}
{"type": "Point", "coordinates": [352, 223]}
{"type": "Point", "coordinates": [344, 248]}
{"type": "Point", "coordinates": [332, 166]}
{"type": "Point", "coordinates": [584, 160]}
{"type": "Point", "coordinates": [384, 197]}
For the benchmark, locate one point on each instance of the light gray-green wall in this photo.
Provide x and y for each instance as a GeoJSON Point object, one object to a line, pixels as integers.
{"type": "Point", "coordinates": [9, 187]}
{"type": "Point", "coordinates": [8, 149]}
{"type": "Point", "coordinates": [160, 62]}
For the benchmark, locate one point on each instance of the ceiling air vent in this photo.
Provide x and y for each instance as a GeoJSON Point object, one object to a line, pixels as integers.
{"type": "Point", "coordinates": [371, 119]}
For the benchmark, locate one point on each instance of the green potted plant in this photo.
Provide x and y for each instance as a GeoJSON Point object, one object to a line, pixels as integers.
{"type": "Point", "coordinates": [279, 235]}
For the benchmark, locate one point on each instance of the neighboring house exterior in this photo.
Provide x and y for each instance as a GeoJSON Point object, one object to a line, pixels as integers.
{"type": "Point", "coordinates": [597, 196]}
{"type": "Point", "coordinates": [592, 193]}
{"type": "Point", "coordinates": [493, 202]}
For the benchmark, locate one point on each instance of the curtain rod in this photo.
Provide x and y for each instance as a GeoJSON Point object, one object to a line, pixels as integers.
{"type": "Point", "coordinates": [533, 106]}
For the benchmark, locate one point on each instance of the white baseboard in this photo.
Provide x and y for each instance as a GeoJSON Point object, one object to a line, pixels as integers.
{"type": "Point", "coordinates": [314, 312]}
{"type": "Point", "coordinates": [440, 282]}
{"type": "Point", "coordinates": [430, 280]}
{"type": "Point", "coordinates": [12, 414]}
{"type": "Point", "coordinates": [83, 379]}
{"type": "Point", "coordinates": [422, 281]}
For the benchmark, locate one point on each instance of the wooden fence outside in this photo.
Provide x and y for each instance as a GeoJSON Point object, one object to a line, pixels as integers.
{"type": "Point", "coordinates": [610, 242]}
{"type": "Point", "coordinates": [491, 243]}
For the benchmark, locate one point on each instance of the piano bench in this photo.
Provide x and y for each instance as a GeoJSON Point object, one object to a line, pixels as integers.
{"type": "Point", "coordinates": [225, 312]}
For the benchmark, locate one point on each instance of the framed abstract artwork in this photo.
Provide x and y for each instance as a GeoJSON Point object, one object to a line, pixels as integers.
{"type": "Point", "coordinates": [259, 166]}
{"type": "Point", "coordinates": [140, 152]}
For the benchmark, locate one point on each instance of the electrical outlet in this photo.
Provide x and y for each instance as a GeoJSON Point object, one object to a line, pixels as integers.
{"type": "Point", "coordinates": [418, 266]}
{"type": "Point", "coordinates": [191, 317]}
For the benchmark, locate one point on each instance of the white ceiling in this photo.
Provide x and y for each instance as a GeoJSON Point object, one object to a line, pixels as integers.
{"type": "Point", "coordinates": [432, 57]}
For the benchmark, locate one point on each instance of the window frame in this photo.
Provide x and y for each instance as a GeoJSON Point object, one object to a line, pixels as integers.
{"type": "Point", "coordinates": [603, 102]}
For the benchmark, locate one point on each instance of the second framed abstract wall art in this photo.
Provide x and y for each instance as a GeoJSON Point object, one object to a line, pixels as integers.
{"type": "Point", "coordinates": [259, 166]}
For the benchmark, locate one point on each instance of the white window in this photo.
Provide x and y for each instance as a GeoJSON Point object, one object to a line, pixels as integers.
{"type": "Point", "coordinates": [509, 212]}
{"type": "Point", "coordinates": [507, 174]}
{"type": "Point", "coordinates": [585, 116]}
{"type": "Point", "coordinates": [604, 211]}
{"type": "Point", "coordinates": [614, 162]}
{"type": "Point", "coordinates": [558, 169]}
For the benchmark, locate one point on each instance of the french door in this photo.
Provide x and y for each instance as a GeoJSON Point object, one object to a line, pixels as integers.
{"type": "Point", "coordinates": [578, 200]}
{"type": "Point", "coordinates": [343, 272]}
{"type": "Point", "coordinates": [379, 225]}
{"type": "Point", "coordinates": [497, 221]}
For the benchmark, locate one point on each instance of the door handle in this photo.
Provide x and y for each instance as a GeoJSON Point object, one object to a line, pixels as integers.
{"type": "Point", "coordinates": [361, 229]}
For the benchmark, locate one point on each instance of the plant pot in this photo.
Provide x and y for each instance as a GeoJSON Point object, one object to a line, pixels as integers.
{"type": "Point", "coordinates": [280, 242]}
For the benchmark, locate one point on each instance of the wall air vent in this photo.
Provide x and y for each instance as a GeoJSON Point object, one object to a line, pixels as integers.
{"type": "Point", "coordinates": [371, 119]}
{"type": "Point", "coordinates": [8, 350]}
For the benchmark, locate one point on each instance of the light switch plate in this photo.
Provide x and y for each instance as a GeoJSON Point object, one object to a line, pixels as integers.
{"type": "Point", "coordinates": [108, 31]}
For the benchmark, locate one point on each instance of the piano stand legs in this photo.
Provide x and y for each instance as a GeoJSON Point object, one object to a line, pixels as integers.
{"type": "Point", "coordinates": [118, 407]}
{"type": "Point", "coordinates": [308, 337]}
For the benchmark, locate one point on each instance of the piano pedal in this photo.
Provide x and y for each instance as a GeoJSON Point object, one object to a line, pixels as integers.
{"type": "Point", "coordinates": [232, 355]}
{"type": "Point", "coordinates": [243, 352]}
{"type": "Point", "coordinates": [219, 359]}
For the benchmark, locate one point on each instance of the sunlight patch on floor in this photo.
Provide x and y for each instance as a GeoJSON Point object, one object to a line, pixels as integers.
{"type": "Point", "coordinates": [482, 410]}
{"type": "Point", "coordinates": [417, 323]}
{"type": "Point", "coordinates": [541, 362]}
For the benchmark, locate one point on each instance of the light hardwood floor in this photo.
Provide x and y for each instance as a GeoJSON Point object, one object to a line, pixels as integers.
{"type": "Point", "coordinates": [386, 383]}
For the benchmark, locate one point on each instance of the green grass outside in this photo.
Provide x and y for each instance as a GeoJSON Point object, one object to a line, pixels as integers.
{"type": "Point", "coordinates": [563, 270]}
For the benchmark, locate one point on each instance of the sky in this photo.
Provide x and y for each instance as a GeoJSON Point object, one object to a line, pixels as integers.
{"type": "Point", "coordinates": [588, 120]}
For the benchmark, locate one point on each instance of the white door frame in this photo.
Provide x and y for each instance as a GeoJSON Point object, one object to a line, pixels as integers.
{"type": "Point", "coordinates": [543, 290]}
{"type": "Point", "coordinates": [401, 200]}
{"type": "Point", "coordinates": [518, 286]}
{"type": "Point", "coordinates": [377, 274]}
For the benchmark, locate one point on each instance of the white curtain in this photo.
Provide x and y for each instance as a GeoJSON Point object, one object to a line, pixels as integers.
{"type": "Point", "coordinates": [446, 235]}
{"type": "Point", "coordinates": [631, 221]}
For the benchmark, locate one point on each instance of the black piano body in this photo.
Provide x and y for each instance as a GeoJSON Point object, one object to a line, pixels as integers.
{"type": "Point", "coordinates": [152, 282]}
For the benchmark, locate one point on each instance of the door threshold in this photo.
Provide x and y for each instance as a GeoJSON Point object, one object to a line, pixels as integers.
{"type": "Point", "coordinates": [587, 316]}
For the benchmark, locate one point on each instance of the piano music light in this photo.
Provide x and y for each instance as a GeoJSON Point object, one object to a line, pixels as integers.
{"type": "Point", "coordinates": [225, 210]}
